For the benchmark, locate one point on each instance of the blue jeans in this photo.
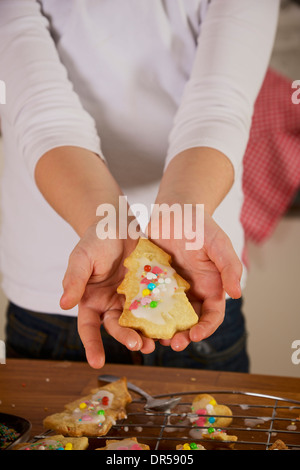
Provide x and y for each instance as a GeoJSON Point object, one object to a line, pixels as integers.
{"type": "Point", "coordinates": [42, 336]}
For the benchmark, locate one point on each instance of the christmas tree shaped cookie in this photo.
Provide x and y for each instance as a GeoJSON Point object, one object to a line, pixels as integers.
{"type": "Point", "coordinates": [155, 299]}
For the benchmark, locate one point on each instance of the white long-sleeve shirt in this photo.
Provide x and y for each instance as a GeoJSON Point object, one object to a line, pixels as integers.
{"type": "Point", "coordinates": [135, 81]}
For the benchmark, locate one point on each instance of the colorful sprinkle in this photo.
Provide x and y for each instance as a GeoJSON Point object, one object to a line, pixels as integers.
{"type": "Point", "coordinates": [210, 409]}
{"type": "Point", "coordinates": [153, 304]}
{"type": "Point", "coordinates": [186, 446]}
{"type": "Point", "coordinates": [193, 445]}
{"type": "Point", "coordinates": [105, 401]}
{"type": "Point", "coordinates": [82, 406]}
{"type": "Point", "coordinates": [134, 305]}
{"type": "Point", "coordinates": [69, 446]}
{"type": "Point", "coordinates": [151, 286]}
{"type": "Point", "coordinates": [136, 447]}
{"type": "Point", "coordinates": [145, 300]}
{"type": "Point", "coordinates": [86, 418]}
{"type": "Point", "coordinates": [146, 292]}
{"type": "Point", "coordinates": [157, 270]}
{"type": "Point", "coordinates": [147, 268]}
{"type": "Point", "coordinates": [151, 276]}
{"type": "Point", "coordinates": [211, 430]}
{"type": "Point", "coordinates": [201, 421]}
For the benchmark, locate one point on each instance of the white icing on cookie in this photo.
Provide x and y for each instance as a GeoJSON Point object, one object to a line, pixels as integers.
{"type": "Point", "coordinates": [93, 410]}
{"type": "Point", "coordinates": [125, 444]}
{"type": "Point", "coordinates": [155, 297]}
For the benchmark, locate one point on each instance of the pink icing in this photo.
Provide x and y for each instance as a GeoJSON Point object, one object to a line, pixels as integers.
{"type": "Point", "coordinates": [136, 447]}
{"type": "Point", "coordinates": [86, 418]}
{"type": "Point", "coordinates": [145, 300]}
{"type": "Point", "coordinates": [157, 270]}
{"type": "Point", "coordinates": [134, 305]}
{"type": "Point", "coordinates": [133, 447]}
{"type": "Point", "coordinates": [201, 421]}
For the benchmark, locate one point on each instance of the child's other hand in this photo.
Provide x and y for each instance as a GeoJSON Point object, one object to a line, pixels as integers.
{"type": "Point", "coordinates": [211, 271]}
{"type": "Point", "coordinates": [94, 272]}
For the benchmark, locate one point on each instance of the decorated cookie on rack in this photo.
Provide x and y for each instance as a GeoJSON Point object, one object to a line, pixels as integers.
{"type": "Point", "coordinates": [155, 299]}
{"type": "Point", "coordinates": [55, 443]}
{"type": "Point", "coordinates": [124, 444]}
{"type": "Point", "coordinates": [215, 434]}
{"type": "Point", "coordinates": [92, 415]}
{"type": "Point", "coordinates": [208, 413]}
{"type": "Point", "coordinates": [190, 446]}
{"type": "Point", "coordinates": [278, 445]}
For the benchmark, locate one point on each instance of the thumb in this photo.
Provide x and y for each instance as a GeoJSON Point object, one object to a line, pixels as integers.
{"type": "Point", "coordinates": [78, 273]}
{"type": "Point", "coordinates": [222, 253]}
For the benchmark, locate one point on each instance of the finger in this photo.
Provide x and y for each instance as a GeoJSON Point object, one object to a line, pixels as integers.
{"type": "Point", "coordinates": [180, 341]}
{"type": "Point", "coordinates": [227, 262]}
{"type": "Point", "coordinates": [89, 332]}
{"type": "Point", "coordinates": [126, 336]}
{"type": "Point", "coordinates": [78, 273]}
{"type": "Point", "coordinates": [212, 315]}
{"type": "Point", "coordinates": [148, 345]}
{"type": "Point", "coordinates": [165, 342]}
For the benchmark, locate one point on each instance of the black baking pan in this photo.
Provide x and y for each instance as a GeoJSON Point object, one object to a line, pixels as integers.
{"type": "Point", "coordinates": [21, 426]}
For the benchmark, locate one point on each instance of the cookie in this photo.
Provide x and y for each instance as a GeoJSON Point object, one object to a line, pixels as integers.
{"type": "Point", "coordinates": [278, 445]}
{"type": "Point", "coordinates": [94, 414]}
{"type": "Point", "coordinates": [155, 299]}
{"type": "Point", "coordinates": [191, 446]}
{"type": "Point", "coordinates": [207, 410]}
{"type": "Point", "coordinates": [124, 444]}
{"type": "Point", "coordinates": [55, 443]}
{"type": "Point", "coordinates": [220, 436]}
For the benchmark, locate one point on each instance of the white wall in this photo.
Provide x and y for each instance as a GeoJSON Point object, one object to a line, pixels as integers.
{"type": "Point", "coordinates": [3, 301]}
{"type": "Point", "coordinates": [272, 301]}
{"type": "Point", "coordinates": [272, 295]}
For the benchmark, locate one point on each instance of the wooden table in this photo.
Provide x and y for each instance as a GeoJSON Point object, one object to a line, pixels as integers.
{"type": "Point", "coordinates": [34, 389]}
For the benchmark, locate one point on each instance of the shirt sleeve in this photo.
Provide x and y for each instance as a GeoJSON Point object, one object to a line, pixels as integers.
{"type": "Point", "coordinates": [41, 106]}
{"type": "Point", "coordinates": [233, 52]}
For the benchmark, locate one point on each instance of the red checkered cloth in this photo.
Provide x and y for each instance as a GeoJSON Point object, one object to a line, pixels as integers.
{"type": "Point", "coordinates": [272, 160]}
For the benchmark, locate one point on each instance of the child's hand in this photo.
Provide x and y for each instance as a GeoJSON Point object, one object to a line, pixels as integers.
{"type": "Point", "coordinates": [94, 272]}
{"type": "Point", "coordinates": [211, 271]}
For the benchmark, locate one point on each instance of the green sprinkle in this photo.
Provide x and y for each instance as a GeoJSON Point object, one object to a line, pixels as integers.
{"type": "Point", "coordinates": [101, 412]}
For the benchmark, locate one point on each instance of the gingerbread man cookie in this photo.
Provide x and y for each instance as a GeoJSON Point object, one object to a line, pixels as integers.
{"type": "Point", "coordinates": [210, 413]}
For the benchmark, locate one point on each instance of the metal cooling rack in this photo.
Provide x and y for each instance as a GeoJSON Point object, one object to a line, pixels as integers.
{"type": "Point", "coordinates": [258, 420]}
{"type": "Point", "coordinates": [271, 418]}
